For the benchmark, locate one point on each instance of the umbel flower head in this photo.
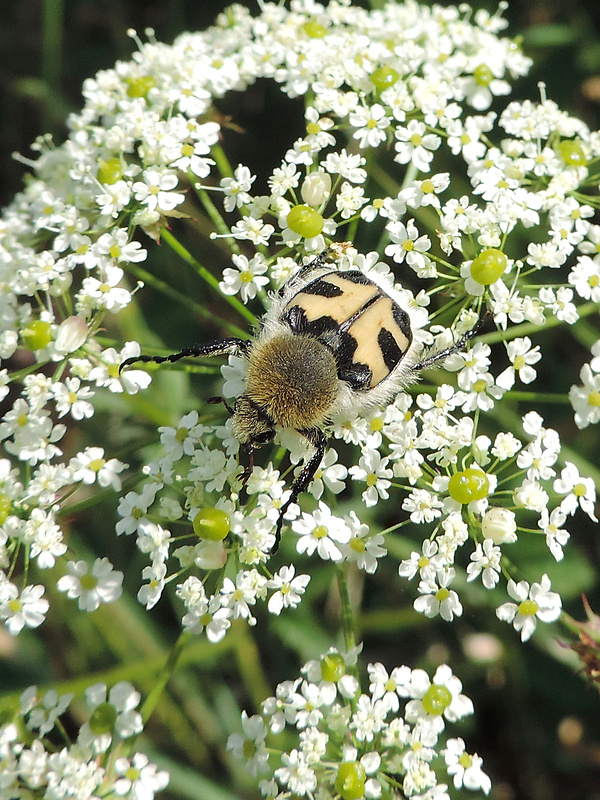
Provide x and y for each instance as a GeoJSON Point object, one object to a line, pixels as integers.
{"type": "Point", "coordinates": [141, 144]}
{"type": "Point", "coordinates": [352, 744]}
{"type": "Point", "coordinates": [405, 87]}
{"type": "Point", "coordinates": [401, 105]}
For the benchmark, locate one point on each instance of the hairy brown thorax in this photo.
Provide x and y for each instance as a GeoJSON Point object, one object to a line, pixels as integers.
{"type": "Point", "coordinates": [294, 379]}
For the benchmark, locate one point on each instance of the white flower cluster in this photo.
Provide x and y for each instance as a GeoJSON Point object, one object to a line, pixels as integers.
{"type": "Point", "coordinates": [352, 744]}
{"type": "Point", "coordinates": [35, 765]}
{"type": "Point", "coordinates": [405, 80]}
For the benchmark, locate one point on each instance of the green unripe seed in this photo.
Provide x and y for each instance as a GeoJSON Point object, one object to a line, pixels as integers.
{"type": "Point", "coordinates": [305, 221]}
{"type": "Point", "coordinates": [110, 171]}
{"type": "Point", "coordinates": [489, 266]}
{"type": "Point", "coordinates": [314, 29]}
{"type": "Point", "coordinates": [469, 485]}
{"type": "Point", "coordinates": [5, 507]}
{"type": "Point", "coordinates": [383, 77]}
{"type": "Point", "coordinates": [483, 75]}
{"type": "Point", "coordinates": [212, 523]}
{"type": "Point", "coordinates": [572, 153]}
{"type": "Point", "coordinates": [103, 718]}
{"type": "Point", "coordinates": [436, 699]}
{"type": "Point", "coordinates": [332, 667]}
{"type": "Point", "coordinates": [350, 780]}
{"type": "Point", "coordinates": [139, 87]}
{"type": "Point", "coordinates": [37, 334]}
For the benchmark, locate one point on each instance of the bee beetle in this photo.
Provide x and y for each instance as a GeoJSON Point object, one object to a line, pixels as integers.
{"type": "Point", "coordinates": [331, 341]}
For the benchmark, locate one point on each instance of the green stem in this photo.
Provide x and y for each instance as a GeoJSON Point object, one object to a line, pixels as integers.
{"type": "Point", "coordinates": [207, 276]}
{"type": "Point", "coordinates": [527, 328]}
{"type": "Point", "coordinates": [164, 676]}
{"type": "Point", "coordinates": [538, 397]}
{"type": "Point", "coordinates": [217, 219]}
{"type": "Point", "coordinates": [347, 616]}
{"type": "Point", "coordinates": [196, 308]}
{"type": "Point", "coordinates": [222, 161]}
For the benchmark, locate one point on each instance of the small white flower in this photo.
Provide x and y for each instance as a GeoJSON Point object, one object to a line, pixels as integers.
{"type": "Point", "coordinates": [247, 279]}
{"type": "Point", "coordinates": [373, 469]}
{"type": "Point", "coordinates": [138, 779]}
{"type": "Point", "coordinates": [580, 492]}
{"type": "Point", "coordinates": [585, 399]}
{"type": "Point", "coordinates": [436, 598]}
{"type": "Point", "coordinates": [149, 594]}
{"type": "Point", "coordinates": [416, 145]}
{"type": "Point", "coordinates": [288, 589]}
{"type": "Point", "coordinates": [533, 604]}
{"type": "Point", "coordinates": [91, 588]}
{"type": "Point", "coordinates": [465, 768]}
{"type": "Point", "coordinates": [556, 536]}
{"type": "Point", "coordinates": [485, 561]}
{"type": "Point", "coordinates": [124, 722]}
{"type": "Point", "coordinates": [522, 357]}
{"type": "Point", "coordinates": [155, 190]}
{"type": "Point", "coordinates": [323, 532]}
{"type": "Point", "coordinates": [91, 466]}
{"type": "Point", "coordinates": [21, 609]}
{"type": "Point", "coordinates": [250, 745]}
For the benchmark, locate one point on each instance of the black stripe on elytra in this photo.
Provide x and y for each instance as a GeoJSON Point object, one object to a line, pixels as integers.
{"type": "Point", "coordinates": [358, 375]}
{"type": "Point", "coordinates": [322, 328]}
{"type": "Point", "coordinates": [356, 276]}
{"type": "Point", "coordinates": [322, 288]}
{"type": "Point", "coordinates": [402, 320]}
{"type": "Point", "coordinates": [391, 352]}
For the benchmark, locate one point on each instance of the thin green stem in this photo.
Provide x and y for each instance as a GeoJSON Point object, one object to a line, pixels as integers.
{"type": "Point", "coordinates": [185, 301]}
{"type": "Point", "coordinates": [215, 215]}
{"type": "Point", "coordinates": [164, 676]}
{"type": "Point", "coordinates": [539, 397]}
{"type": "Point", "coordinates": [347, 616]}
{"type": "Point", "coordinates": [207, 276]}
{"type": "Point", "coordinates": [222, 161]}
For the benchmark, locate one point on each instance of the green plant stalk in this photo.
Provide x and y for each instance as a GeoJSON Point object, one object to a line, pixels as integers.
{"type": "Point", "coordinates": [210, 279]}
{"type": "Point", "coordinates": [164, 676]}
{"type": "Point", "coordinates": [347, 616]}
{"type": "Point", "coordinates": [196, 308]}
{"type": "Point", "coordinates": [217, 219]}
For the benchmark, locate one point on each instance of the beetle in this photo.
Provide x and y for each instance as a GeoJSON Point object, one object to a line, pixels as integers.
{"type": "Point", "coordinates": [331, 341]}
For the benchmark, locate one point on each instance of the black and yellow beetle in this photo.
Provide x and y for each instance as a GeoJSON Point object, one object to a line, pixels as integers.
{"type": "Point", "coordinates": [331, 341]}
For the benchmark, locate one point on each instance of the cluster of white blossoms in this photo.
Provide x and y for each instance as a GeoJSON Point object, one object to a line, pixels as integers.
{"type": "Point", "coordinates": [352, 744]}
{"type": "Point", "coordinates": [38, 760]}
{"type": "Point", "coordinates": [415, 81]}
{"type": "Point", "coordinates": [405, 92]}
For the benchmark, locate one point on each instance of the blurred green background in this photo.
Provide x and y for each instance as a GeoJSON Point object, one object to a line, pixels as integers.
{"type": "Point", "coordinates": [537, 724]}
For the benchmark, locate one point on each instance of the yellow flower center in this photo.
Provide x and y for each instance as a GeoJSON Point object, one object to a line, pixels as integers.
{"type": "Point", "coordinates": [528, 608]}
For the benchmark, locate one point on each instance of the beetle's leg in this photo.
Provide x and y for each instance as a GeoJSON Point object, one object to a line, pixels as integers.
{"type": "Point", "coordinates": [317, 438]}
{"type": "Point", "coordinates": [216, 400]}
{"type": "Point", "coordinates": [434, 359]}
